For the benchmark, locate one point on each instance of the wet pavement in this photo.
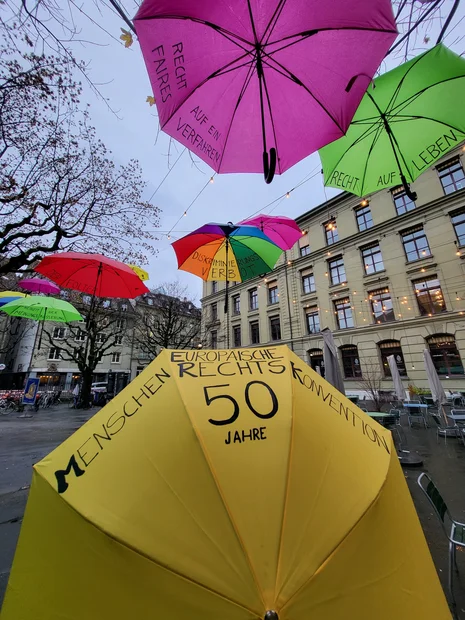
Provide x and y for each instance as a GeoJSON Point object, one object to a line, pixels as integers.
{"type": "Point", "coordinates": [26, 440]}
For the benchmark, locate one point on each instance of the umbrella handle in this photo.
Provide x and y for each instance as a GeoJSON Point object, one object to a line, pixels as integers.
{"type": "Point", "coordinates": [269, 165]}
{"type": "Point", "coordinates": [412, 195]}
{"type": "Point", "coordinates": [271, 615]}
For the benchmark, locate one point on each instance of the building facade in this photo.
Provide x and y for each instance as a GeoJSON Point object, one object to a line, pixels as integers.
{"type": "Point", "coordinates": [385, 274]}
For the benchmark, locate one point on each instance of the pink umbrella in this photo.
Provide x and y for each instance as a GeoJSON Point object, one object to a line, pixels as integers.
{"type": "Point", "coordinates": [249, 85]}
{"type": "Point", "coordinates": [37, 285]}
{"type": "Point", "coordinates": [282, 230]}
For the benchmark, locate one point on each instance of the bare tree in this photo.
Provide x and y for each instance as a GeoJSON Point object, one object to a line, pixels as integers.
{"type": "Point", "coordinates": [166, 318]}
{"type": "Point", "coordinates": [59, 188]}
{"type": "Point", "coordinates": [371, 382]}
{"type": "Point", "coordinates": [105, 327]}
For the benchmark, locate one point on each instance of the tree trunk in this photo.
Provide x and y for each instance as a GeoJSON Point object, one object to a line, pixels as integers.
{"type": "Point", "coordinates": [86, 397]}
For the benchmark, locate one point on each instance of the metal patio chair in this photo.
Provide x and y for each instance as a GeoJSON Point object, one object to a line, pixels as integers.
{"type": "Point", "coordinates": [442, 429]}
{"type": "Point", "coordinates": [454, 530]}
{"type": "Point", "coordinates": [415, 414]}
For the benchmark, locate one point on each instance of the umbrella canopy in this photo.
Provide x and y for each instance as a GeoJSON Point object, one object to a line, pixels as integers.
{"type": "Point", "coordinates": [395, 374]}
{"type": "Point", "coordinates": [404, 124]}
{"type": "Point", "coordinates": [280, 229]}
{"type": "Point", "coordinates": [246, 250]}
{"type": "Point", "coordinates": [42, 309]}
{"type": "Point", "coordinates": [37, 285]}
{"type": "Point", "coordinates": [93, 274]}
{"type": "Point", "coordinates": [332, 369]}
{"type": "Point", "coordinates": [143, 275]}
{"type": "Point", "coordinates": [435, 385]}
{"type": "Point", "coordinates": [7, 296]}
{"type": "Point", "coordinates": [252, 85]}
{"type": "Point", "coordinates": [214, 487]}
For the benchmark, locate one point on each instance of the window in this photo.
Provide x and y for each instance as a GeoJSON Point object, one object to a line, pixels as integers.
{"type": "Point", "coordinates": [237, 335]}
{"type": "Point", "coordinates": [124, 307]}
{"type": "Point", "coordinates": [64, 294]}
{"type": "Point", "coordinates": [458, 222]}
{"type": "Point", "coordinates": [214, 312]}
{"type": "Point", "coordinates": [312, 319]}
{"type": "Point", "coordinates": [253, 299]}
{"type": "Point", "coordinates": [214, 286]}
{"type": "Point", "coordinates": [401, 201]}
{"type": "Point", "coordinates": [86, 299]}
{"type": "Point", "coordinates": [275, 328]}
{"type": "Point", "coordinates": [350, 362]}
{"type": "Point", "coordinates": [331, 232]}
{"type": "Point", "coordinates": [59, 333]}
{"type": "Point", "coordinates": [363, 217]}
{"type": "Point", "coordinates": [214, 339]}
{"type": "Point", "coordinates": [120, 323]}
{"type": "Point", "coordinates": [445, 355]}
{"type": "Point", "coordinates": [150, 301]}
{"type": "Point", "coordinates": [429, 296]}
{"type": "Point", "coordinates": [273, 293]}
{"type": "Point", "coordinates": [316, 361]}
{"type": "Point", "coordinates": [415, 243]}
{"type": "Point", "coordinates": [308, 281]}
{"type": "Point", "coordinates": [372, 259]}
{"type": "Point", "coordinates": [392, 347]}
{"type": "Point", "coordinates": [80, 336]}
{"type": "Point", "coordinates": [343, 313]}
{"type": "Point", "coordinates": [236, 304]}
{"type": "Point", "coordinates": [381, 305]}
{"type": "Point", "coordinates": [100, 338]}
{"type": "Point", "coordinates": [54, 353]}
{"type": "Point", "coordinates": [119, 340]}
{"type": "Point", "coordinates": [337, 272]}
{"type": "Point", "coordinates": [304, 247]}
{"type": "Point", "coordinates": [451, 175]}
{"type": "Point", "coordinates": [106, 303]}
{"type": "Point", "coordinates": [116, 358]}
{"type": "Point", "coordinates": [254, 333]}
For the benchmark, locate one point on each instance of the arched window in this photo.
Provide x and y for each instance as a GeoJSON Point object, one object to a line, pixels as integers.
{"type": "Point", "coordinates": [445, 355]}
{"type": "Point", "coordinates": [350, 361]}
{"type": "Point", "coordinates": [316, 360]}
{"type": "Point", "coordinates": [392, 347]}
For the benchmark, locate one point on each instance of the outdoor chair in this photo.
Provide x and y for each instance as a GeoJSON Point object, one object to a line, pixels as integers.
{"type": "Point", "coordinates": [396, 413]}
{"type": "Point", "coordinates": [442, 429]}
{"type": "Point", "coordinates": [364, 409]}
{"type": "Point", "coordinates": [454, 530]}
{"type": "Point", "coordinates": [415, 414]}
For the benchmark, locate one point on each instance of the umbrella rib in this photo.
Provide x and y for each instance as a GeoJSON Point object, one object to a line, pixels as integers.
{"type": "Point", "coordinates": [401, 82]}
{"type": "Point", "coordinates": [250, 250]}
{"type": "Point", "coordinates": [272, 121]}
{"type": "Point", "coordinates": [354, 526]}
{"type": "Point", "coordinates": [295, 79]}
{"type": "Point", "coordinates": [405, 117]}
{"type": "Point", "coordinates": [412, 98]}
{"type": "Point", "coordinates": [273, 21]}
{"type": "Point", "coordinates": [375, 139]}
{"type": "Point", "coordinates": [309, 33]}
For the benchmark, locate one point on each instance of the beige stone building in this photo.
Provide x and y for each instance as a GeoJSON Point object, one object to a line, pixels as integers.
{"type": "Point", "coordinates": [386, 275]}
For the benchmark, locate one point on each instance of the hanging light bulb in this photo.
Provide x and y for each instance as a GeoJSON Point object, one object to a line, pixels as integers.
{"type": "Point", "coordinates": [185, 213]}
{"type": "Point", "coordinates": [413, 367]}
{"type": "Point", "coordinates": [169, 236]}
{"type": "Point", "coordinates": [288, 194]}
{"type": "Point", "coordinates": [364, 202]}
{"type": "Point", "coordinates": [212, 180]}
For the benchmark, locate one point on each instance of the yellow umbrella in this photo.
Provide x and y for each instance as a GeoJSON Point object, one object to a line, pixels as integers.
{"type": "Point", "coordinates": [223, 485]}
{"type": "Point", "coordinates": [143, 275]}
{"type": "Point", "coordinates": [12, 294]}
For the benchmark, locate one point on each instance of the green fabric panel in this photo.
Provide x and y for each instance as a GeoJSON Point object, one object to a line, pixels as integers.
{"type": "Point", "coordinates": [249, 262]}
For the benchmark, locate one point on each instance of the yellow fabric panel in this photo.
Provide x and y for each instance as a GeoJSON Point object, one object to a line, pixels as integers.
{"type": "Point", "coordinates": [251, 469]}
{"type": "Point", "coordinates": [339, 460]}
{"type": "Point", "coordinates": [65, 568]}
{"type": "Point", "coordinates": [147, 484]}
{"type": "Point", "coordinates": [382, 570]}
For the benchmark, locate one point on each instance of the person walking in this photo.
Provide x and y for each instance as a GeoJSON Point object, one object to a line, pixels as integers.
{"type": "Point", "coordinates": [76, 395]}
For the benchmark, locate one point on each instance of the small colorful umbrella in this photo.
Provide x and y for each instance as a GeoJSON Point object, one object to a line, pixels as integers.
{"type": "Point", "coordinates": [280, 229]}
{"type": "Point", "coordinates": [38, 285]}
{"type": "Point", "coordinates": [7, 296]}
{"type": "Point", "coordinates": [93, 274]}
{"type": "Point", "coordinates": [252, 86]}
{"type": "Point", "coordinates": [246, 250]}
{"type": "Point", "coordinates": [143, 275]}
{"type": "Point", "coordinates": [409, 120]}
{"type": "Point", "coordinates": [42, 309]}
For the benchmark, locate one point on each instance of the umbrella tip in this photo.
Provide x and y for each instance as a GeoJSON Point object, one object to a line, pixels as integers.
{"type": "Point", "coordinates": [271, 615]}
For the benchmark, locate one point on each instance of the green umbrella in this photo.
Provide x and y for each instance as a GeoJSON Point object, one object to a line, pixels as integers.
{"type": "Point", "coordinates": [409, 119]}
{"type": "Point", "coordinates": [40, 308]}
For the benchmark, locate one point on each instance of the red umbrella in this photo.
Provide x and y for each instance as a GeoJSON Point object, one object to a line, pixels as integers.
{"type": "Point", "coordinates": [93, 274]}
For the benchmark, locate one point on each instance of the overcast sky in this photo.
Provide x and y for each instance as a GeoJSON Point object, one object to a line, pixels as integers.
{"type": "Point", "coordinates": [133, 134]}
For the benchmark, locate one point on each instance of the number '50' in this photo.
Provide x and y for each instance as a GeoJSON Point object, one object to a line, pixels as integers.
{"type": "Point", "coordinates": [258, 395]}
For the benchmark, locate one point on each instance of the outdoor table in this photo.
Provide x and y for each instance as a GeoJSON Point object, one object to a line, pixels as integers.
{"type": "Point", "coordinates": [379, 415]}
{"type": "Point", "coordinates": [419, 405]}
{"type": "Point", "coordinates": [457, 417]}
